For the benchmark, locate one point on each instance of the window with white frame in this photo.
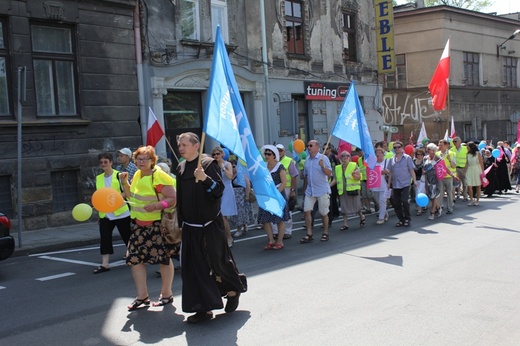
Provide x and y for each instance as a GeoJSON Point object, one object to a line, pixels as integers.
{"type": "Point", "coordinates": [190, 23]}
{"type": "Point", "coordinates": [397, 80]}
{"type": "Point", "coordinates": [349, 36]}
{"type": "Point", "coordinates": [4, 91]}
{"type": "Point", "coordinates": [294, 27]}
{"type": "Point", "coordinates": [54, 61]}
{"type": "Point", "coordinates": [219, 17]}
{"type": "Point", "coordinates": [471, 63]}
{"type": "Point", "coordinates": [510, 72]}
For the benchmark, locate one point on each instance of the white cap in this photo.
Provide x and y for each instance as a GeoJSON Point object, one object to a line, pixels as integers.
{"type": "Point", "coordinates": [126, 151]}
{"type": "Point", "coordinates": [273, 149]}
{"type": "Point", "coordinates": [280, 146]}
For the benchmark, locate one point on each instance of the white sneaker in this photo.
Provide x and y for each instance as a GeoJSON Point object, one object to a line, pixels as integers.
{"type": "Point", "coordinates": [431, 217]}
{"type": "Point", "coordinates": [439, 212]}
{"type": "Point", "coordinates": [380, 222]}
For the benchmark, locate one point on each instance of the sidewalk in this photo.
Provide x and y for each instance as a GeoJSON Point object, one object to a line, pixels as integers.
{"type": "Point", "coordinates": [51, 239]}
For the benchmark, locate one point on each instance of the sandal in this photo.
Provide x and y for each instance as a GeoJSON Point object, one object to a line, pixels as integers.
{"type": "Point", "coordinates": [269, 246]}
{"type": "Point", "coordinates": [163, 301]}
{"type": "Point", "coordinates": [362, 221]}
{"type": "Point", "coordinates": [307, 239]}
{"type": "Point", "coordinates": [399, 224]}
{"type": "Point", "coordinates": [324, 237]}
{"type": "Point", "coordinates": [101, 269]}
{"type": "Point", "coordinates": [406, 223]}
{"type": "Point", "coordinates": [343, 228]}
{"type": "Point", "coordinates": [277, 246]}
{"type": "Point", "coordinates": [137, 303]}
{"type": "Point", "coordinates": [419, 213]}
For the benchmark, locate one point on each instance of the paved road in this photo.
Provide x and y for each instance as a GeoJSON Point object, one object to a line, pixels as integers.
{"type": "Point", "coordinates": [452, 281]}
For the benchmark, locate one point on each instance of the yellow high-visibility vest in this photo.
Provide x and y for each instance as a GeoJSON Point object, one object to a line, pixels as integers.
{"type": "Point", "coordinates": [352, 184]}
{"type": "Point", "coordinates": [142, 193]}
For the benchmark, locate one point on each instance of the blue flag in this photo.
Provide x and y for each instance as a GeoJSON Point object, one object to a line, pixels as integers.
{"type": "Point", "coordinates": [242, 173]}
{"type": "Point", "coordinates": [226, 122]}
{"type": "Point", "coordinates": [351, 126]}
{"type": "Point", "coordinates": [224, 104]}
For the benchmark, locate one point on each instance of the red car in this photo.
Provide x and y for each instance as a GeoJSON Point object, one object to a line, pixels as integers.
{"type": "Point", "coordinates": [6, 240]}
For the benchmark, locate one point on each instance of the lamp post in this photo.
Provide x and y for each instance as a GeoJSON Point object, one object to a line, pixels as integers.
{"type": "Point", "coordinates": [510, 38]}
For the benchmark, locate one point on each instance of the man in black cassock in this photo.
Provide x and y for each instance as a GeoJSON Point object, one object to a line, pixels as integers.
{"type": "Point", "coordinates": [207, 265]}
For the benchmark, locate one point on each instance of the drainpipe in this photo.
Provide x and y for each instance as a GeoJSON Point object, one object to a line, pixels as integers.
{"type": "Point", "coordinates": [266, 71]}
{"type": "Point", "coordinates": [139, 68]}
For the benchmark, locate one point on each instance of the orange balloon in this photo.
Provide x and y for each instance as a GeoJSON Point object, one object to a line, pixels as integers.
{"type": "Point", "coordinates": [298, 146]}
{"type": "Point", "coordinates": [107, 200]}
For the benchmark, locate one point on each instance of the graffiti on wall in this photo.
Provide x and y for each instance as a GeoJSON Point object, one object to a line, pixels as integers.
{"type": "Point", "coordinates": [399, 108]}
{"type": "Point", "coordinates": [43, 146]}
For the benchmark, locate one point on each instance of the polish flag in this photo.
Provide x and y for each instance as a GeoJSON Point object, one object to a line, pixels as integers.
{"type": "Point", "coordinates": [453, 133]}
{"type": "Point", "coordinates": [154, 132]}
{"type": "Point", "coordinates": [440, 82]}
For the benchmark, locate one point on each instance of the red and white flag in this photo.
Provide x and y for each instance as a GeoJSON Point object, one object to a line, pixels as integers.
{"type": "Point", "coordinates": [439, 85]}
{"type": "Point", "coordinates": [453, 133]}
{"type": "Point", "coordinates": [154, 132]}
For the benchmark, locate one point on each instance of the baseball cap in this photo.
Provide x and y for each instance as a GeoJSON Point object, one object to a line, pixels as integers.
{"type": "Point", "coordinates": [280, 146]}
{"type": "Point", "coordinates": [126, 151]}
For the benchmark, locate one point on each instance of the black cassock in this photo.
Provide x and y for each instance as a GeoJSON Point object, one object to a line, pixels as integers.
{"type": "Point", "coordinates": [207, 265]}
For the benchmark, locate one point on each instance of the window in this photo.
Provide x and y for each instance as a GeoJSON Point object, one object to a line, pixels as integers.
{"type": "Point", "coordinates": [294, 28]}
{"type": "Point", "coordinates": [397, 80]}
{"type": "Point", "coordinates": [510, 72]}
{"type": "Point", "coordinates": [190, 19]}
{"type": "Point", "coordinates": [219, 17]}
{"type": "Point", "coordinates": [349, 37]}
{"type": "Point", "coordinates": [4, 92]}
{"type": "Point", "coordinates": [54, 70]}
{"type": "Point", "coordinates": [471, 69]}
{"type": "Point", "coordinates": [182, 110]}
{"type": "Point", "coordinates": [65, 191]}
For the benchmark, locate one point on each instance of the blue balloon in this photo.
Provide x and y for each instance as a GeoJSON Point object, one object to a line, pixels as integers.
{"type": "Point", "coordinates": [481, 146]}
{"type": "Point", "coordinates": [495, 153]}
{"type": "Point", "coordinates": [421, 199]}
{"type": "Point", "coordinates": [226, 153]}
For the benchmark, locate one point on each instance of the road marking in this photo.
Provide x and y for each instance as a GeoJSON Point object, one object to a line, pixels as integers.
{"type": "Point", "coordinates": [73, 250]}
{"type": "Point", "coordinates": [57, 276]}
{"type": "Point", "coordinates": [91, 264]}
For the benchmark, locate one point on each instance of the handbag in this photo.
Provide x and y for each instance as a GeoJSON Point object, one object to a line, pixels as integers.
{"type": "Point", "coordinates": [352, 192]}
{"type": "Point", "coordinates": [170, 229]}
{"type": "Point", "coordinates": [292, 203]}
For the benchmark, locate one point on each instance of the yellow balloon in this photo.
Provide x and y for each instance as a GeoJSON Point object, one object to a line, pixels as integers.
{"type": "Point", "coordinates": [82, 212]}
{"type": "Point", "coordinates": [107, 200]}
{"type": "Point", "coordinates": [390, 145]}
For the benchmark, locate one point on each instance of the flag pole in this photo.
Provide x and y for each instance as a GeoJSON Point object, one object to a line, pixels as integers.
{"type": "Point", "coordinates": [173, 151]}
{"type": "Point", "coordinates": [202, 140]}
{"type": "Point", "coordinates": [328, 142]}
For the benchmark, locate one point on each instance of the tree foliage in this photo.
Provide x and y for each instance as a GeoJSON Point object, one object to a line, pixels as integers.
{"type": "Point", "coordinates": [474, 5]}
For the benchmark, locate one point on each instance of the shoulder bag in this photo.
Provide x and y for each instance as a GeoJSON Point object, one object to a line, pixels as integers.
{"type": "Point", "coordinates": [170, 229]}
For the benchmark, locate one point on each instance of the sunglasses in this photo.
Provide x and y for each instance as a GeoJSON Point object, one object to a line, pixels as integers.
{"type": "Point", "coordinates": [215, 154]}
{"type": "Point", "coordinates": [397, 147]}
{"type": "Point", "coordinates": [268, 153]}
{"type": "Point", "coordinates": [103, 162]}
{"type": "Point", "coordinates": [143, 159]}
{"type": "Point", "coordinates": [345, 155]}
{"type": "Point", "coordinates": [310, 145]}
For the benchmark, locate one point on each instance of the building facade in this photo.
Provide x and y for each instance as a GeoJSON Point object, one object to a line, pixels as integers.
{"type": "Point", "coordinates": [77, 60]}
{"type": "Point", "coordinates": [293, 88]}
{"type": "Point", "coordinates": [484, 94]}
